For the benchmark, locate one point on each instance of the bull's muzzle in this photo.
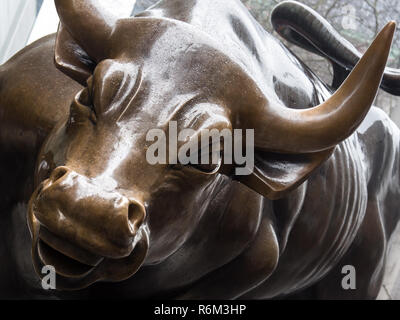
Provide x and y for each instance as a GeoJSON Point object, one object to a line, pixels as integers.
{"type": "Point", "coordinates": [86, 230]}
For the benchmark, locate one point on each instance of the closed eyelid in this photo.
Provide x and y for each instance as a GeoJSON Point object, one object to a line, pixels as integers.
{"type": "Point", "coordinates": [89, 81]}
{"type": "Point", "coordinates": [113, 85]}
{"type": "Point", "coordinates": [134, 90]}
{"type": "Point", "coordinates": [84, 98]}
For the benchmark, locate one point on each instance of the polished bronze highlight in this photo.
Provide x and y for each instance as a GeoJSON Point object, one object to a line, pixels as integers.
{"type": "Point", "coordinates": [75, 109]}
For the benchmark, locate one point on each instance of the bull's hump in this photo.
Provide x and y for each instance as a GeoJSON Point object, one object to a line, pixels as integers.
{"type": "Point", "coordinates": [277, 72]}
{"type": "Point", "coordinates": [228, 22]}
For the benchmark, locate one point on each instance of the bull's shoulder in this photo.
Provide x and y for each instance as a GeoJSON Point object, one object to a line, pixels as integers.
{"type": "Point", "coordinates": [379, 138]}
{"type": "Point", "coordinates": [275, 69]}
{"type": "Point", "coordinates": [195, 12]}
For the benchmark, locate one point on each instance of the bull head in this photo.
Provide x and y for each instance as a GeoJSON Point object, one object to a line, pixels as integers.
{"type": "Point", "coordinates": [100, 209]}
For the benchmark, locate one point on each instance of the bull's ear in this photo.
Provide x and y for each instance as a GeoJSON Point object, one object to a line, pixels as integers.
{"type": "Point", "coordinates": [275, 174]}
{"type": "Point", "coordinates": [71, 59]}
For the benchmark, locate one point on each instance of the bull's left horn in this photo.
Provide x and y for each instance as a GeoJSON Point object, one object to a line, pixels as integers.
{"type": "Point", "coordinates": [90, 23]}
{"type": "Point", "coordinates": [288, 130]}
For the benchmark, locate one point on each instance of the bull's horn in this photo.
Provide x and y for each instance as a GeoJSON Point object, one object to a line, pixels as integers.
{"type": "Point", "coordinates": [322, 127]}
{"type": "Point", "coordinates": [90, 23]}
{"type": "Point", "coordinates": [304, 27]}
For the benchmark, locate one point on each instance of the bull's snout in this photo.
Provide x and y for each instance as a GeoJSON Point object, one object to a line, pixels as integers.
{"type": "Point", "coordinates": [86, 213]}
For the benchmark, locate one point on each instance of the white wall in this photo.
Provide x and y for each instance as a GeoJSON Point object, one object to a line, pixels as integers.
{"type": "Point", "coordinates": [47, 21]}
{"type": "Point", "coordinates": [16, 21]}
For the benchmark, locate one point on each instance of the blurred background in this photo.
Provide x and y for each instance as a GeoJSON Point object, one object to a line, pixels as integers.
{"type": "Point", "coordinates": [17, 18]}
{"type": "Point", "coordinates": [24, 21]}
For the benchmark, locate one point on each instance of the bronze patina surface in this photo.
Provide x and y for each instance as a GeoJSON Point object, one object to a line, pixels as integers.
{"type": "Point", "coordinates": [75, 109]}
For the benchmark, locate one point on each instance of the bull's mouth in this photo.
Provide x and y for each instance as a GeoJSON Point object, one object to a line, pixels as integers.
{"type": "Point", "coordinates": [76, 268]}
{"type": "Point", "coordinates": [68, 260]}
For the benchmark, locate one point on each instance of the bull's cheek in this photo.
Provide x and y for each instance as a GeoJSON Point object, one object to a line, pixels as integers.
{"type": "Point", "coordinates": [171, 225]}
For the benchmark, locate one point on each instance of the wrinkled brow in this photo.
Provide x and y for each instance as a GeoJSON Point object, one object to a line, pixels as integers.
{"type": "Point", "coordinates": [114, 87]}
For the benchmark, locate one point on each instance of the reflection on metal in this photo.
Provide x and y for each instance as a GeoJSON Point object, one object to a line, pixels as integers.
{"type": "Point", "coordinates": [16, 20]}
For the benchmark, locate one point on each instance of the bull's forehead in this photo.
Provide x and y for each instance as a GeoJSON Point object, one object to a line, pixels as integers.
{"type": "Point", "coordinates": [165, 72]}
{"type": "Point", "coordinates": [127, 93]}
{"type": "Point", "coordinates": [157, 39]}
{"type": "Point", "coordinates": [175, 58]}
{"type": "Point", "coordinates": [151, 84]}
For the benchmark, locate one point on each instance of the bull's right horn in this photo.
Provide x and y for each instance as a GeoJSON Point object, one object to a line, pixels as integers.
{"type": "Point", "coordinates": [305, 28]}
{"type": "Point", "coordinates": [287, 130]}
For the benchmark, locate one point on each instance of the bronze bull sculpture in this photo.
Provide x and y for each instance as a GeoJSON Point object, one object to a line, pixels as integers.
{"type": "Point", "coordinates": [74, 112]}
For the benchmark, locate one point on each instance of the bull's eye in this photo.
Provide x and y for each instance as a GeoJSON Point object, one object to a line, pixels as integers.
{"type": "Point", "coordinates": [84, 98]}
{"type": "Point", "coordinates": [81, 108]}
{"type": "Point", "coordinates": [207, 168]}
{"type": "Point", "coordinates": [209, 164]}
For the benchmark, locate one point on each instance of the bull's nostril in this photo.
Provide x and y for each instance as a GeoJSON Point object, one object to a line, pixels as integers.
{"type": "Point", "coordinates": [135, 216]}
{"type": "Point", "coordinates": [58, 173]}
{"type": "Point", "coordinates": [39, 189]}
